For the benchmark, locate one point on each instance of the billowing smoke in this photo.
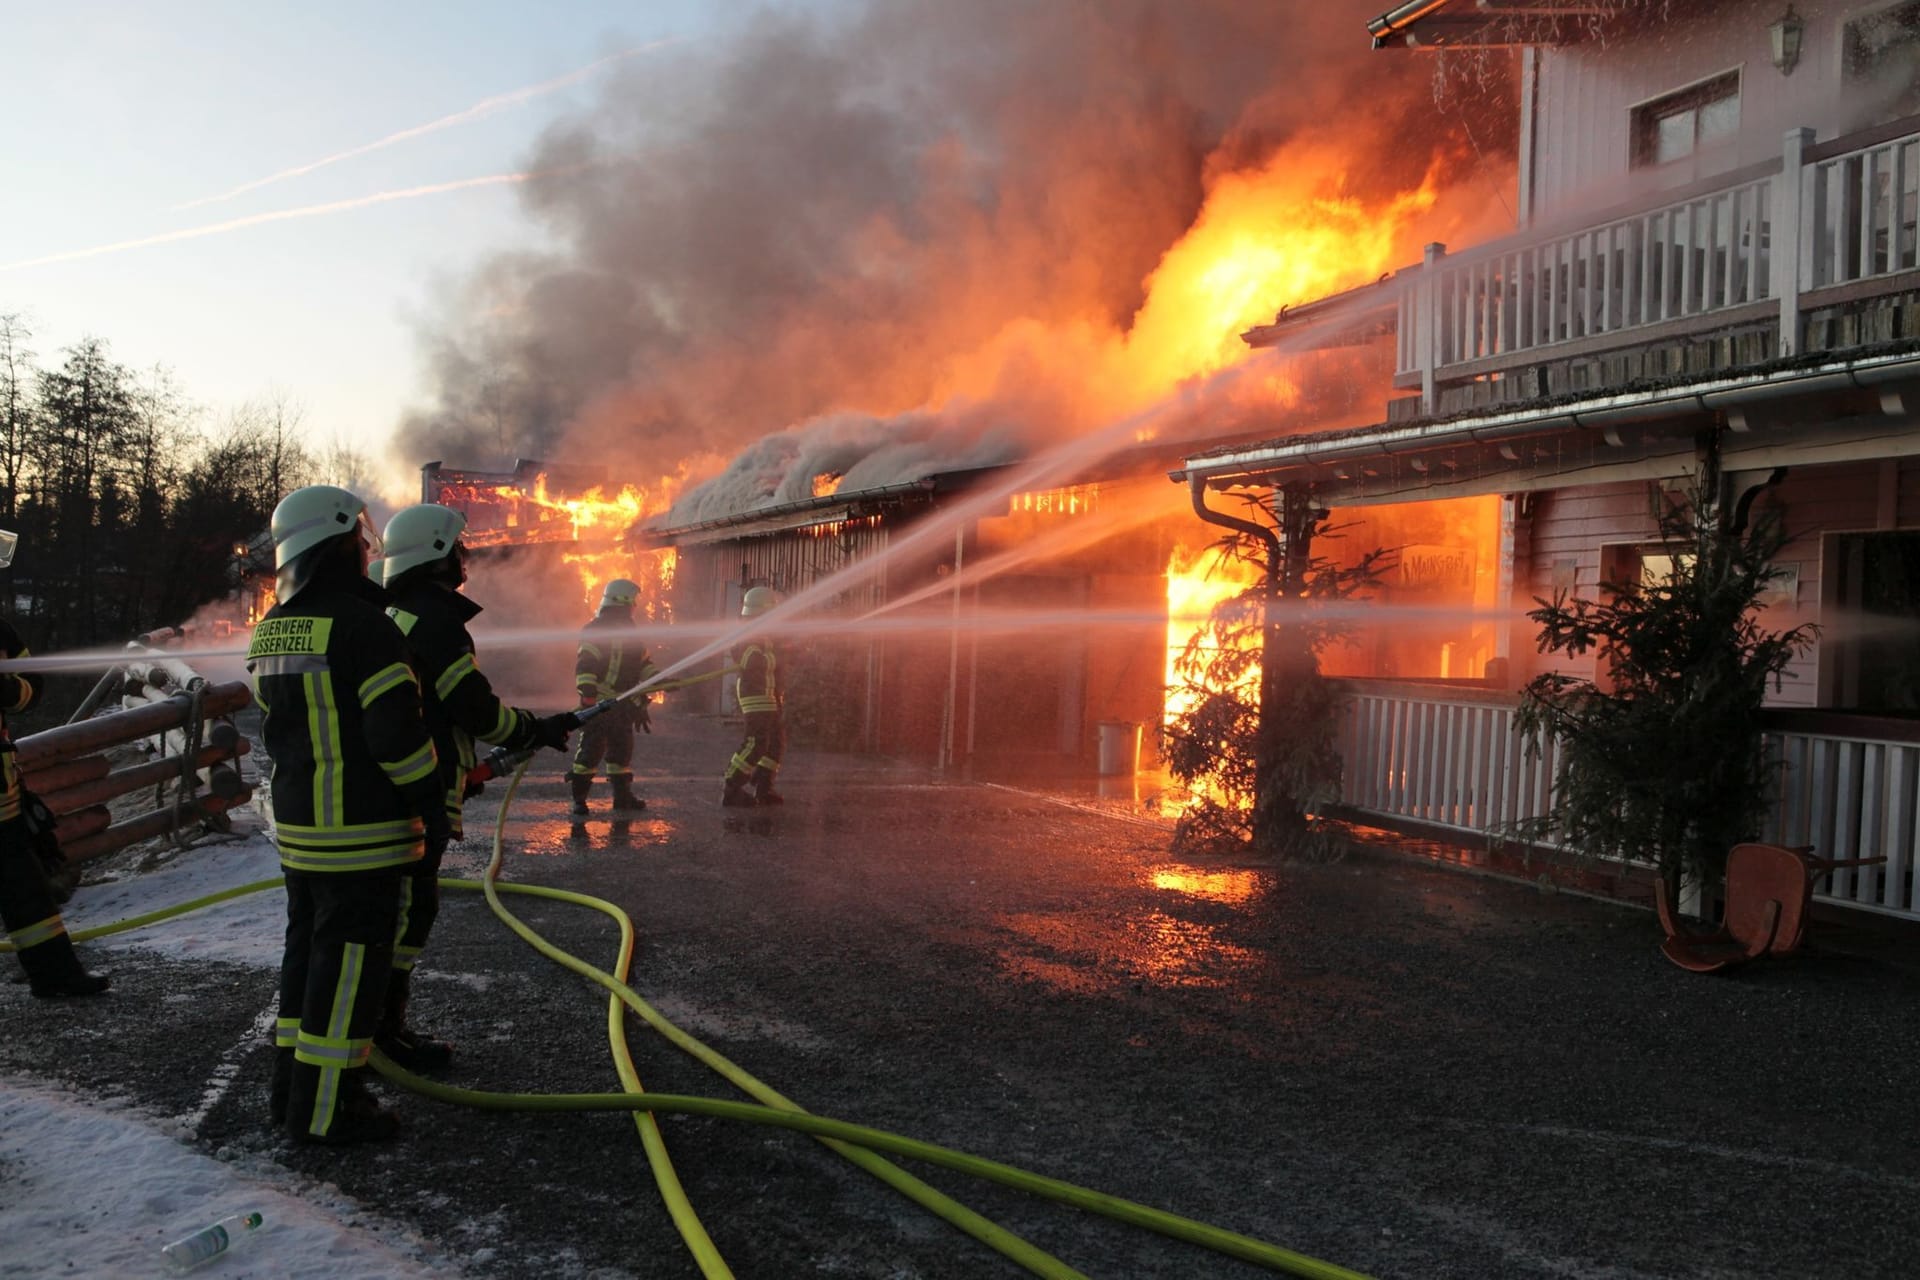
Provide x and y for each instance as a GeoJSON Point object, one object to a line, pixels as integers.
{"type": "Point", "coordinates": [897, 241]}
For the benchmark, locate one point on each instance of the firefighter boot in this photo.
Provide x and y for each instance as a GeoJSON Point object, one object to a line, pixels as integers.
{"type": "Point", "coordinates": [357, 1115]}
{"type": "Point", "coordinates": [624, 801]}
{"type": "Point", "coordinates": [277, 1091]}
{"type": "Point", "coordinates": [407, 1047]}
{"type": "Point", "coordinates": [55, 972]}
{"type": "Point", "coordinates": [581, 784]}
{"type": "Point", "coordinates": [763, 792]}
{"type": "Point", "coordinates": [734, 794]}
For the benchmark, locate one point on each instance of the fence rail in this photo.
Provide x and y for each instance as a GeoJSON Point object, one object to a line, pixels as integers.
{"type": "Point", "coordinates": [1453, 759]}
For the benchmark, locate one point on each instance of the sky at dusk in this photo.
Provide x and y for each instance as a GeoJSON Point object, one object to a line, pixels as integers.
{"type": "Point", "coordinates": [130, 121]}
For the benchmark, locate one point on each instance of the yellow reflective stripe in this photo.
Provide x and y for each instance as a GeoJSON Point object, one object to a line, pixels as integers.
{"type": "Point", "coordinates": [385, 680]}
{"type": "Point", "coordinates": [593, 649]}
{"type": "Point", "coordinates": [286, 1032]}
{"type": "Point", "coordinates": [350, 833]}
{"type": "Point", "coordinates": [758, 702]}
{"type": "Point", "coordinates": [35, 934]}
{"type": "Point", "coordinates": [349, 859]}
{"type": "Point", "coordinates": [26, 692]}
{"type": "Point", "coordinates": [415, 767]}
{"type": "Point", "coordinates": [457, 670]}
{"type": "Point", "coordinates": [400, 924]}
{"type": "Point", "coordinates": [503, 725]}
{"type": "Point", "coordinates": [337, 1051]}
{"type": "Point", "coordinates": [323, 734]}
{"type": "Point", "coordinates": [353, 963]}
{"type": "Point", "coordinates": [403, 620]}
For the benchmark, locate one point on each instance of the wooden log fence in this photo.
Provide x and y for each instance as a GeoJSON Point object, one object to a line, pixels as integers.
{"type": "Point", "coordinates": [181, 719]}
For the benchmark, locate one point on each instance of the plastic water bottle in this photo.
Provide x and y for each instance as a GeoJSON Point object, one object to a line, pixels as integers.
{"type": "Point", "coordinates": [185, 1254]}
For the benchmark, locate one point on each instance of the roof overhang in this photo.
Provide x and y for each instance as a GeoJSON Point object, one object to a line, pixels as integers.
{"type": "Point", "coordinates": [1836, 411]}
{"type": "Point", "coordinates": [1487, 24]}
{"type": "Point", "coordinates": [1353, 318]}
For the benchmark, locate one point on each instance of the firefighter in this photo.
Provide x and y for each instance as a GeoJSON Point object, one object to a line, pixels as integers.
{"type": "Point", "coordinates": [423, 568]}
{"type": "Point", "coordinates": [761, 700]}
{"type": "Point", "coordinates": [33, 922]}
{"type": "Point", "coordinates": [357, 799]}
{"type": "Point", "coordinates": [609, 662]}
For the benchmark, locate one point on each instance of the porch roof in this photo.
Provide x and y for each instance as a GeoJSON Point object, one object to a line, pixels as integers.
{"type": "Point", "coordinates": [1797, 410]}
{"type": "Point", "coordinates": [1488, 24]}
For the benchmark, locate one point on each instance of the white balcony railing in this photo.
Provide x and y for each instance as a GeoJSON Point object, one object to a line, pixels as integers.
{"type": "Point", "coordinates": [1452, 758]}
{"type": "Point", "coordinates": [1864, 213]}
{"type": "Point", "coordinates": [1771, 235]}
{"type": "Point", "coordinates": [1684, 259]}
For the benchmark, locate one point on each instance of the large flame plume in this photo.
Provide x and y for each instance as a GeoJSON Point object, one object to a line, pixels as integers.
{"type": "Point", "coordinates": [930, 236]}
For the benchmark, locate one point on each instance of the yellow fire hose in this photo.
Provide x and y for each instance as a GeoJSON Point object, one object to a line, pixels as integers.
{"type": "Point", "coordinates": [858, 1143]}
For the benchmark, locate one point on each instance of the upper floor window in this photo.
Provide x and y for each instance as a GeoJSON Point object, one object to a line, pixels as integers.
{"type": "Point", "coordinates": [1881, 57]}
{"type": "Point", "coordinates": [1674, 127]}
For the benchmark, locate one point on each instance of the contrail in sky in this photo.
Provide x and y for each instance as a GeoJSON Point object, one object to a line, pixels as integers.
{"type": "Point", "coordinates": [479, 110]}
{"type": "Point", "coordinates": [278, 215]}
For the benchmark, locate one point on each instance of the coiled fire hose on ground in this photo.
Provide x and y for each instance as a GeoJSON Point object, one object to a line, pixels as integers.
{"type": "Point", "coordinates": [858, 1143]}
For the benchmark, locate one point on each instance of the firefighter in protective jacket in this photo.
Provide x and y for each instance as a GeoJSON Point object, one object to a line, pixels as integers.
{"type": "Point", "coordinates": [34, 925]}
{"type": "Point", "coordinates": [424, 565]}
{"type": "Point", "coordinates": [761, 703]}
{"type": "Point", "coordinates": [609, 662]}
{"type": "Point", "coordinates": [357, 799]}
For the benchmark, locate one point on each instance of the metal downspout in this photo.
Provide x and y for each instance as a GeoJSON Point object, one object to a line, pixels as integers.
{"type": "Point", "coordinates": [1197, 486]}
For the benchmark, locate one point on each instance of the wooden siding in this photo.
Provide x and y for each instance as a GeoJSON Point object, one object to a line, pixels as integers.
{"type": "Point", "coordinates": [1588, 92]}
{"type": "Point", "coordinates": [1575, 526]}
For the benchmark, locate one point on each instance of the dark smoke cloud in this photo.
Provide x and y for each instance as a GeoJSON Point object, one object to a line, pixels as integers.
{"type": "Point", "coordinates": [810, 220]}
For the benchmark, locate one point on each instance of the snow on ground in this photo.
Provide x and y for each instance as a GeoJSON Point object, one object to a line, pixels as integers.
{"type": "Point", "coordinates": [88, 1188]}
{"type": "Point", "coordinates": [93, 1187]}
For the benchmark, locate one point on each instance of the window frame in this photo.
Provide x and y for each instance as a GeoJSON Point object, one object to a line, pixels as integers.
{"type": "Point", "coordinates": [1645, 116]}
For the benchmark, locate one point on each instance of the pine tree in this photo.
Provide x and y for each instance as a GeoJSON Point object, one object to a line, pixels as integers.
{"type": "Point", "coordinates": [1667, 763]}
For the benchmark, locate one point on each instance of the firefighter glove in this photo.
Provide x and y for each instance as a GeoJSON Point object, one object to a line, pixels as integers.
{"type": "Point", "coordinates": [643, 717]}
{"type": "Point", "coordinates": [552, 731]}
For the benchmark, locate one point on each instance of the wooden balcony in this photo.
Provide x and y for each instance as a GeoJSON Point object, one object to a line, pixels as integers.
{"type": "Point", "coordinates": [1818, 250]}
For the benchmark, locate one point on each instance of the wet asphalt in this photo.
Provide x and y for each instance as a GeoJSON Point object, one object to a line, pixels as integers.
{"type": "Point", "coordinates": [1406, 1070]}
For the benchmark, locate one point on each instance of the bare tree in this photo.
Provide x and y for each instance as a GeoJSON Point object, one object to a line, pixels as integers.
{"type": "Point", "coordinates": [18, 409]}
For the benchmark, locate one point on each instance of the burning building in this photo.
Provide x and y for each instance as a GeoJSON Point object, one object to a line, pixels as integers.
{"type": "Point", "coordinates": [543, 540]}
{"type": "Point", "coordinates": [1718, 255]}
{"type": "Point", "coordinates": [977, 649]}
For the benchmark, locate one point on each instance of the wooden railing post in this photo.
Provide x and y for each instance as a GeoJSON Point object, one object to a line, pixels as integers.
{"type": "Point", "coordinates": [1793, 237]}
{"type": "Point", "coordinates": [1429, 293]}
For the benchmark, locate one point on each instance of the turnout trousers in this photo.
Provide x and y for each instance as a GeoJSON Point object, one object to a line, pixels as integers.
{"type": "Point", "coordinates": [765, 743]}
{"type": "Point", "coordinates": [419, 907]}
{"type": "Point", "coordinates": [610, 738]}
{"type": "Point", "coordinates": [333, 985]}
{"type": "Point", "coordinates": [33, 921]}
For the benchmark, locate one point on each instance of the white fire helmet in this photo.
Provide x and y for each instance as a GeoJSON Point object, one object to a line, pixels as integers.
{"type": "Point", "coordinates": [308, 517]}
{"type": "Point", "coordinates": [8, 541]}
{"type": "Point", "coordinates": [621, 593]}
{"type": "Point", "coordinates": [419, 535]}
{"type": "Point", "coordinates": [757, 601]}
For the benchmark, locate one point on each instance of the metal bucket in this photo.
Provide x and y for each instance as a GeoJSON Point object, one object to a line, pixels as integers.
{"type": "Point", "coordinates": [1119, 742]}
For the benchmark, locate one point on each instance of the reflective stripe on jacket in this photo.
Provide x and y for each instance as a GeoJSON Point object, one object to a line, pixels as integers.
{"type": "Point", "coordinates": [354, 767]}
{"type": "Point", "coordinates": [460, 704]}
{"type": "Point", "coordinates": [23, 691]}
{"type": "Point", "coordinates": [610, 659]}
{"type": "Point", "coordinates": [759, 686]}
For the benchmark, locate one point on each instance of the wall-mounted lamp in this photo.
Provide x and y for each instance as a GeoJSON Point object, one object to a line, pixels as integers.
{"type": "Point", "coordinates": [1787, 31]}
